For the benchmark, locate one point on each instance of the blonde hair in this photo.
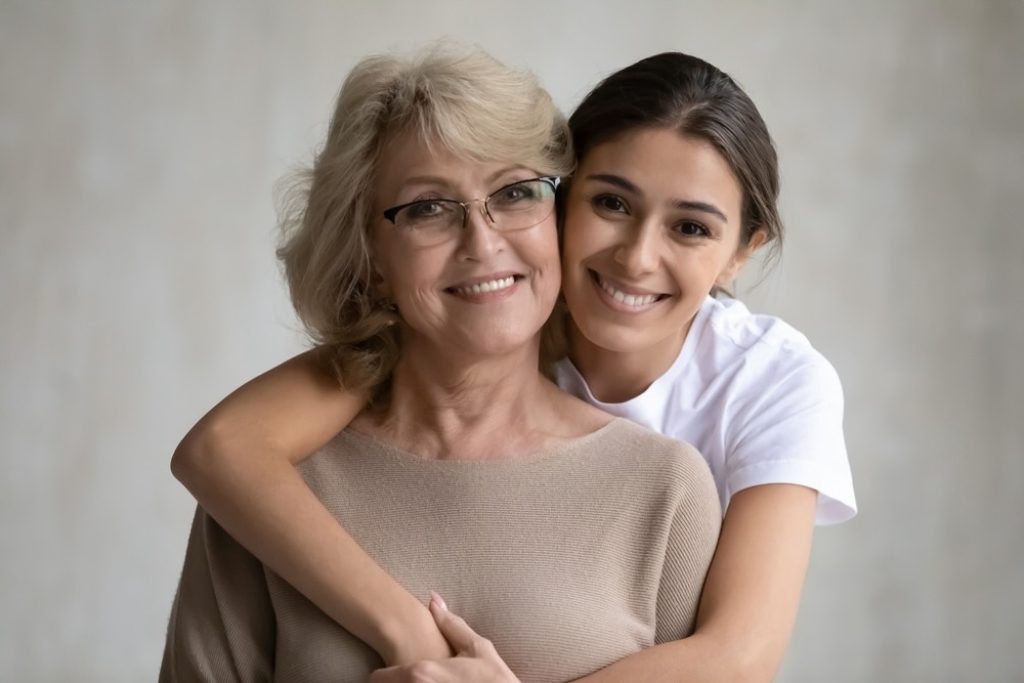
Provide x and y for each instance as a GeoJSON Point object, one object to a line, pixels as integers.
{"type": "Point", "coordinates": [452, 97]}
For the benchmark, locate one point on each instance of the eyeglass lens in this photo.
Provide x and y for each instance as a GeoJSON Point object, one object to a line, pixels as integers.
{"type": "Point", "coordinates": [517, 206]}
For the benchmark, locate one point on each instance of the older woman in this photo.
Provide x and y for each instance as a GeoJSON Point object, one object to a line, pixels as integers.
{"type": "Point", "coordinates": [424, 254]}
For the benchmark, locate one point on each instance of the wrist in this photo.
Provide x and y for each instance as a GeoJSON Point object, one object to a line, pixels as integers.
{"type": "Point", "coordinates": [409, 634]}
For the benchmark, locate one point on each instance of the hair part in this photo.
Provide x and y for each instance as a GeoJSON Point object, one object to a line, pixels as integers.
{"type": "Point", "coordinates": [456, 98]}
{"type": "Point", "coordinates": [683, 93]}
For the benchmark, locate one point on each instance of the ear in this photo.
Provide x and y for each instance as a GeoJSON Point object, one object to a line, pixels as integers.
{"type": "Point", "coordinates": [742, 255]}
{"type": "Point", "coordinates": [379, 288]}
{"type": "Point", "coordinates": [378, 283]}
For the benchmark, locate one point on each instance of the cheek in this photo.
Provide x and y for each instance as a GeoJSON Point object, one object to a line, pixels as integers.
{"type": "Point", "coordinates": [696, 270]}
{"type": "Point", "coordinates": [551, 251]}
{"type": "Point", "coordinates": [409, 277]}
{"type": "Point", "coordinates": [575, 234]}
{"type": "Point", "coordinates": [715, 264]}
{"type": "Point", "coordinates": [586, 234]}
{"type": "Point", "coordinates": [540, 247]}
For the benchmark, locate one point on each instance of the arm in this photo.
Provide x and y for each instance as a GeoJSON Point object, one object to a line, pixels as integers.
{"type": "Point", "coordinates": [750, 599]}
{"type": "Point", "coordinates": [475, 658]}
{"type": "Point", "coordinates": [238, 461]}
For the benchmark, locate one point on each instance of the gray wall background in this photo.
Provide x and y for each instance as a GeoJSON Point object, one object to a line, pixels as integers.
{"type": "Point", "coordinates": [139, 143]}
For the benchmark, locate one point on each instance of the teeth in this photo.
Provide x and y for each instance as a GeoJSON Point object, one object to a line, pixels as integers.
{"type": "Point", "coordinates": [635, 300]}
{"type": "Point", "coordinates": [489, 286]}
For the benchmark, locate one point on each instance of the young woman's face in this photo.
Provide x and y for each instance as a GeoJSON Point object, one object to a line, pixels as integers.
{"type": "Point", "coordinates": [652, 224]}
{"type": "Point", "coordinates": [473, 290]}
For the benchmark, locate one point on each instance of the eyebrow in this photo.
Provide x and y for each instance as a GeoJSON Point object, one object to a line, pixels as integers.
{"type": "Point", "coordinates": [688, 204]}
{"type": "Point", "coordinates": [439, 180]}
{"type": "Point", "coordinates": [505, 171]}
{"type": "Point", "coordinates": [423, 180]}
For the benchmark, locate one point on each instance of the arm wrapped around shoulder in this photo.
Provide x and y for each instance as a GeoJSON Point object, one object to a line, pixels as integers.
{"type": "Point", "coordinates": [222, 623]}
{"type": "Point", "coordinates": [691, 543]}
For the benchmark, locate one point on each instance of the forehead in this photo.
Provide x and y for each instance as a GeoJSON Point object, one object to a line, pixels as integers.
{"type": "Point", "coordinates": [664, 164]}
{"type": "Point", "coordinates": [408, 161]}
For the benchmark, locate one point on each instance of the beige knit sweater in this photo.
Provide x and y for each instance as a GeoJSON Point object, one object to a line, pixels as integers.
{"type": "Point", "coordinates": [567, 560]}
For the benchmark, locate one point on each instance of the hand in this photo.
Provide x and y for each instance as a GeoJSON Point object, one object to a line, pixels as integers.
{"type": "Point", "coordinates": [475, 658]}
{"type": "Point", "coordinates": [413, 638]}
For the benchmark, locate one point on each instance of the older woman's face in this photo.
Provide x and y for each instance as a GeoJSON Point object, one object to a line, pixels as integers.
{"type": "Point", "coordinates": [482, 292]}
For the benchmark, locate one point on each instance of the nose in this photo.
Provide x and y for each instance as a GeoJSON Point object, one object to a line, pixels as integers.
{"type": "Point", "coordinates": [638, 254]}
{"type": "Point", "coordinates": [479, 239]}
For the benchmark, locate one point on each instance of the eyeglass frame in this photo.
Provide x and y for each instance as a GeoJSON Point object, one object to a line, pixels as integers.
{"type": "Point", "coordinates": [552, 180]}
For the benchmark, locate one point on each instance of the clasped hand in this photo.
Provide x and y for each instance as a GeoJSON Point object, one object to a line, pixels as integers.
{"type": "Point", "coordinates": [475, 658]}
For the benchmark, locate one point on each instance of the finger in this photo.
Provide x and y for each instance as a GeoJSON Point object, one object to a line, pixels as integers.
{"type": "Point", "coordinates": [454, 670]}
{"type": "Point", "coordinates": [420, 672]}
{"type": "Point", "coordinates": [392, 674]}
{"type": "Point", "coordinates": [454, 628]}
{"type": "Point", "coordinates": [436, 597]}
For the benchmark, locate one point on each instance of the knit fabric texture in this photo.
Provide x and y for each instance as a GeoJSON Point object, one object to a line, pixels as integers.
{"type": "Point", "coordinates": [567, 560]}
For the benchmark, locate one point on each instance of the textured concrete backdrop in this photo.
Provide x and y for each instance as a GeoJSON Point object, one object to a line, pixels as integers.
{"type": "Point", "coordinates": [139, 143]}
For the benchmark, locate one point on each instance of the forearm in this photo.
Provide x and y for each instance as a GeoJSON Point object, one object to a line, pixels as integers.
{"type": "Point", "coordinates": [697, 659]}
{"type": "Point", "coordinates": [267, 507]}
{"type": "Point", "coordinates": [238, 463]}
{"type": "Point", "coordinates": [750, 598]}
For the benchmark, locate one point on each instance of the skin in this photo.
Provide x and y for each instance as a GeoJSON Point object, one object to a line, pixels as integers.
{"type": "Point", "coordinates": [651, 214]}
{"type": "Point", "coordinates": [475, 657]}
{"type": "Point", "coordinates": [425, 282]}
{"type": "Point", "coordinates": [467, 381]}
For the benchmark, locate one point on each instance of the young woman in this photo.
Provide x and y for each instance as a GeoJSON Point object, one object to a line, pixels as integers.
{"type": "Point", "coordinates": [675, 189]}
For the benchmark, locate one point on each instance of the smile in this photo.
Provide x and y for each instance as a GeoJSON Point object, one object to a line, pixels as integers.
{"type": "Point", "coordinates": [488, 286]}
{"type": "Point", "coordinates": [631, 300]}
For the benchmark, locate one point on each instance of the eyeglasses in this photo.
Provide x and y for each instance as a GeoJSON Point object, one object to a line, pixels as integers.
{"type": "Point", "coordinates": [517, 206]}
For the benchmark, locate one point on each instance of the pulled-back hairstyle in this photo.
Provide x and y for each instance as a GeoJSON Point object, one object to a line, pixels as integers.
{"type": "Point", "coordinates": [455, 98]}
{"type": "Point", "coordinates": [686, 94]}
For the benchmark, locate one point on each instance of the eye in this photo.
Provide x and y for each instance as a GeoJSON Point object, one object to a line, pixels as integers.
{"type": "Point", "coordinates": [690, 229]}
{"type": "Point", "coordinates": [609, 204]}
{"type": "Point", "coordinates": [527, 191]}
{"type": "Point", "coordinates": [426, 210]}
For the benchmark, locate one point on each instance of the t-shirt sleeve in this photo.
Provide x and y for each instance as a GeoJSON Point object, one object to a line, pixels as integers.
{"type": "Point", "coordinates": [790, 431]}
{"type": "Point", "coordinates": [222, 621]}
{"type": "Point", "coordinates": [692, 538]}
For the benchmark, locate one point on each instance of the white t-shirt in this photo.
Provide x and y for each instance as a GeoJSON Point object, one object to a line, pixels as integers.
{"type": "Point", "coordinates": [757, 401]}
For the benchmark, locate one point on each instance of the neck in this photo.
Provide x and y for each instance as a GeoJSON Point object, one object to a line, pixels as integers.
{"type": "Point", "coordinates": [617, 376]}
{"type": "Point", "coordinates": [449, 406]}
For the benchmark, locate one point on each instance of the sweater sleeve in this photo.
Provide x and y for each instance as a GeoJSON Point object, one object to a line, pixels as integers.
{"type": "Point", "coordinates": [222, 622]}
{"type": "Point", "coordinates": [692, 539]}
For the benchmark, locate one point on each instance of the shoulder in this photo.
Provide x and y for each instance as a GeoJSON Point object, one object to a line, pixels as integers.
{"type": "Point", "coordinates": [345, 464]}
{"type": "Point", "coordinates": [730, 324]}
{"type": "Point", "coordinates": [660, 461]}
{"type": "Point", "coordinates": [667, 481]}
{"type": "Point", "coordinates": [780, 409]}
{"type": "Point", "coordinates": [764, 352]}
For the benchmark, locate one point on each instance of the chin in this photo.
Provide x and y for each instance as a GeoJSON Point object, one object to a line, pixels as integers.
{"type": "Point", "coordinates": [615, 338]}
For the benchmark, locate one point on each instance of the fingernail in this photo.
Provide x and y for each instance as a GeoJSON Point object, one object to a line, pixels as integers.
{"type": "Point", "coordinates": [438, 600]}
